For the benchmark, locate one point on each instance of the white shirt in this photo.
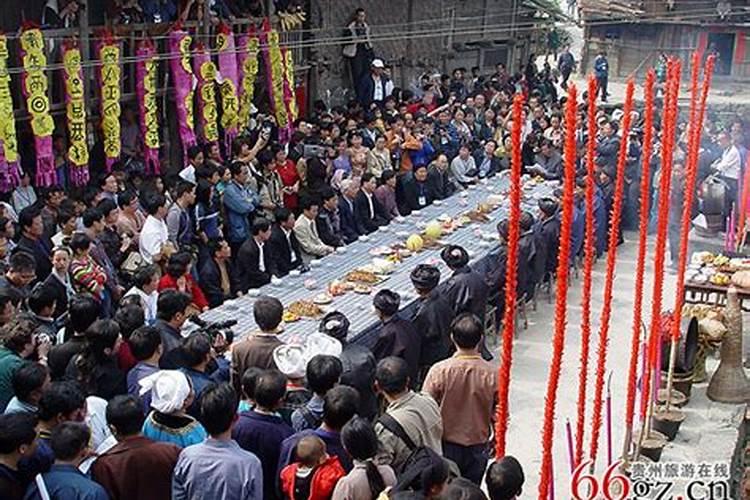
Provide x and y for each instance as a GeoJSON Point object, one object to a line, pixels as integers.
{"type": "Point", "coordinates": [261, 259]}
{"type": "Point", "coordinates": [729, 163]}
{"type": "Point", "coordinates": [153, 235]}
{"type": "Point", "coordinates": [369, 202]}
{"type": "Point", "coordinates": [288, 234]}
{"type": "Point", "coordinates": [188, 174]}
{"type": "Point", "coordinates": [149, 302]}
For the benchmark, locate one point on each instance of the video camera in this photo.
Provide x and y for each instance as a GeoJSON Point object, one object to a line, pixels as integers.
{"type": "Point", "coordinates": [223, 328]}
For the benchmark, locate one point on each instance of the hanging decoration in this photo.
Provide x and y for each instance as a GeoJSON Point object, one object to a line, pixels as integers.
{"type": "Point", "coordinates": [205, 70]}
{"type": "Point", "coordinates": [229, 83]}
{"type": "Point", "coordinates": [561, 296]}
{"type": "Point", "coordinates": [146, 71]}
{"type": "Point", "coordinates": [75, 113]}
{"type": "Point", "coordinates": [648, 138]}
{"type": "Point", "coordinates": [511, 269]}
{"type": "Point", "coordinates": [275, 71]}
{"type": "Point", "coordinates": [182, 75]}
{"type": "Point", "coordinates": [249, 46]}
{"type": "Point", "coordinates": [37, 103]}
{"type": "Point", "coordinates": [614, 236]}
{"type": "Point", "coordinates": [8, 143]}
{"type": "Point", "coordinates": [290, 99]}
{"type": "Point", "coordinates": [109, 79]}
{"type": "Point", "coordinates": [588, 262]}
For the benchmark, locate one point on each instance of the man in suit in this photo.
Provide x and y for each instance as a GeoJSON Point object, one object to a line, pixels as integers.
{"type": "Point", "coordinates": [307, 232]}
{"type": "Point", "coordinates": [487, 163]}
{"type": "Point", "coordinates": [283, 244]}
{"type": "Point", "coordinates": [255, 264]}
{"type": "Point", "coordinates": [368, 211]}
{"type": "Point", "coordinates": [215, 274]}
{"type": "Point", "coordinates": [328, 221]}
{"type": "Point", "coordinates": [347, 221]}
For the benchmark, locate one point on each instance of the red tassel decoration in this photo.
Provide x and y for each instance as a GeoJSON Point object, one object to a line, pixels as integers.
{"type": "Point", "coordinates": [561, 298]}
{"type": "Point", "coordinates": [614, 235]}
{"type": "Point", "coordinates": [648, 138]}
{"type": "Point", "coordinates": [509, 316]}
{"type": "Point", "coordinates": [665, 183]}
{"type": "Point", "coordinates": [589, 251]}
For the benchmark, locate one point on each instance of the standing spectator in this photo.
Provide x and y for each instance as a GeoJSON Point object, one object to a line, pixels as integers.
{"type": "Point", "coordinates": [18, 344]}
{"type": "Point", "coordinates": [323, 373]}
{"type": "Point", "coordinates": [359, 49]}
{"type": "Point", "coordinates": [82, 313]}
{"type": "Point", "coordinates": [601, 72]}
{"type": "Point", "coordinates": [373, 88]}
{"type": "Point", "coordinates": [239, 203]}
{"type": "Point", "coordinates": [59, 280]}
{"type": "Point", "coordinates": [108, 186]}
{"type": "Point", "coordinates": [130, 220]}
{"type": "Point", "coordinates": [290, 180]}
{"type": "Point", "coordinates": [397, 336]}
{"type": "Point", "coordinates": [145, 345]}
{"type": "Point", "coordinates": [33, 241]}
{"type": "Point", "coordinates": [417, 415]}
{"type": "Point", "coordinates": [66, 221]}
{"type": "Point", "coordinates": [256, 349]}
{"type": "Point", "coordinates": [136, 467]}
{"type": "Point", "coordinates": [145, 285]}
{"type": "Point", "coordinates": [29, 381]}
{"type": "Point", "coordinates": [87, 275]}
{"type": "Point", "coordinates": [196, 355]}
{"type": "Point", "coordinates": [93, 223]}
{"type": "Point", "coordinates": [115, 245]}
{"type": "Point", "coordinates": [218, 467]}
{"type": "Point", "coordinates": [17, 441]}
{"type": "Point", "coordinates": [505, 479]}
{"type": "Point", "coordinates": [262, 430]}
{"type": "Point", "coordinates": [172, 307]}
{"type": "Point", "coordinates": [21, 272]}
{"type": "Point", "coordinates": [566, 63]}
{"type": "Point", "coordinates": [464, 387]}
{"type": "Point", "coordinates": [154, 235]}
{"type": "Point", "coordinates": [24, 195]}
{"type": "Point", "coordinates": [70, 444]}
{"type": "Point", "coordinates": [314, 474]}
{"type": "Point", "coordinates": [195, 160]}
{"type": "Point", "coordinates": [432, 317]}
{"type": "Point", "coordinates": [306, 232]}
{"type": "Point", "coordinates": [95, 368]}
{"type": "Point", "coordinates": [466, 289]}
{"type": "Point", "coordinates": [180, 227]}
{"type": "Point", "coordinates": [254, 262]}
{"type": "Point", "coordinates": [53, 197]}
{"type": "Point", "coordinates": [379, 158]}
{"type": "Point", "coordinates": [168, 422]}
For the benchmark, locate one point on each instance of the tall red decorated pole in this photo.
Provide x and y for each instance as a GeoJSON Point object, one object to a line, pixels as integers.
{"type": "Point", "coordinates": [614, 234]}
{"type": "Point", "coordinates": [561, 298]}
{"type": "Point", "coordinates": [697, 112]}
{"type": "Point", "coordinates": [588, 263]}
{"type": "Point", "coordinates": [648, 138]}
{"type": "Point", "coordinates": [665, 182]}
{"type": "Point", "coordinates": [509, 316]}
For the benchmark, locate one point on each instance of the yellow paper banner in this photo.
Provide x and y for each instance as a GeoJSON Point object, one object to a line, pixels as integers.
{"type": "Point", "coordinates": [7, 122]}
{"type": "Point", "coordinates": [78, 151]}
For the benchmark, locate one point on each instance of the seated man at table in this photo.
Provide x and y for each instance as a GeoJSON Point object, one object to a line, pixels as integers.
{"type": "Point", "coordinates": [283, 244]}
{"type": "Point", "coordinates": [368, 211]}
{"type": "Point", "coordinates": [347, 220]}
{"type": "Point", "coordinates": [255, 263]}
{"type": "Point", "coordinates": [415, 192]}
{"type": "Point", "coordinates": [328, 220]}
{"type": "Point", "coordinates": [307, 232]}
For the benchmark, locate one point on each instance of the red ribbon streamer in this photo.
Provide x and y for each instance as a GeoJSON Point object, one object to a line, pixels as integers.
{"type": "Point", "coordinates": [511, 268]}
{"type": "Point", "coordinates": [561, 298]}
{"type": "Point", "coordinates": [614, 235]}
{"type": "Point", "coordinates": [588, 264]}
{"type": "Point", "coordinates": [648, 139]}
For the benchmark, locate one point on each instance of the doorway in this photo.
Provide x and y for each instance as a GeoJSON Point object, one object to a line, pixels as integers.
{"type": "Point", "coordinates": [722, 44]}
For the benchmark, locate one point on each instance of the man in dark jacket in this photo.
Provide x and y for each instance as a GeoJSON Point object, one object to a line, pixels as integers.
{"type": "Point", "coordinates": [438, 178]}
{"type": "Point", "coordinates": [347, 220]}
{"type": "Point", "coordinates": [527, 257]}
{"type": "Point", "coordinates": [368, 211]}
{"type": "Point", "coordinates": [397, 336]}
{"type": "Point", "coordinates": [433, 316]}
{"type": "Point", "coordinates": [414, 191]}
{"type": "Point", "coordinates": [283, 244]}
{"type": "Point", "coordinates": [358, 363]}
{"type": "Point", "coordinates": [255, 263]}
{"type": "Point", "coordinates": [487, 163]}
{"type": "Point", "coordinates": [327, 221]}
{"type": "Point", "coordinates": [608, 146]}
{"type": "Point", "coordinates": [215, 275]}
{"type": "Point", "coordinates": [33, 241]}
{"type": "Point", "coordinates": [547, 239]}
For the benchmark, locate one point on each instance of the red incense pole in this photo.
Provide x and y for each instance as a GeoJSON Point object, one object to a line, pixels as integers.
{"type": "Point", "coordinates": [509, 316]}
{"type": "Point", "coordinates": [561, 299]}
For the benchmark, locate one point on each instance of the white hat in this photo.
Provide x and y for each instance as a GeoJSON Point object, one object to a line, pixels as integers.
{"type": "Point", "coordinates": [169, 390]}
{"type": "Point", "coordinates": [377, 63]}
{"type": "Point", "coordinates": [320, 343]}
{"type": "Point", "coordinates": [291, 360]}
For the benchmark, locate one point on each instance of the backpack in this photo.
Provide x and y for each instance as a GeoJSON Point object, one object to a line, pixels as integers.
{"type": "Point", "coordinates": [420, 457]}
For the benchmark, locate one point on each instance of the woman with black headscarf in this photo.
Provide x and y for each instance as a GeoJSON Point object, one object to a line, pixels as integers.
{"type": "Point", "coordinates": [397, 336]}
{"type": "Point", "coordinates": [433, 316]}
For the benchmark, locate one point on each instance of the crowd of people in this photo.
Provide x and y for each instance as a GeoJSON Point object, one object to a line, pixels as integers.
{"type": "Point", "coordinates": [97, 286]}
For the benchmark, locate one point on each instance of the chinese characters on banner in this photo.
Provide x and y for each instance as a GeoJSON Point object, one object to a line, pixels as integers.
{"type": "Point", "coordinates": [205, 70]}
{"type": "Point", "coordinates": [35, 90]}
{"type": "Point", "coordinates": [8, 143]}
{"type": "Point", "coordinates": [248, 58]}
{"type": "Point", "coordinates": [75, 112]}
{"type": "Point", "coordinates": [182, 76]}
{"type": "Point", "coordinates": [230, 104]}
{"type": "Point", "coordinates": [147, 70]}
{"type": "Point", "coordinates": [109, 78]}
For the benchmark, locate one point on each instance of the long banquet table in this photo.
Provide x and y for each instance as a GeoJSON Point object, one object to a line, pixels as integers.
{"type": "Point", "coordinates": [358, 308]}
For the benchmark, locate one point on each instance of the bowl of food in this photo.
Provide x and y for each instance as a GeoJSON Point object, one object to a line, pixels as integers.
{"type": "Point", "coordinates": [322, 299]}
{"type": "Point", "coordinates": [362, 289]}
{"type": "Point", "coordinates": [364, 237]}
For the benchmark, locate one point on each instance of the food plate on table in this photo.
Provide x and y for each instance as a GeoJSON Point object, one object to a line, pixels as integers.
{"type": "Point", "coordinates": [322, 299]}
{"type": "Point", "coordinates": [362, 289]}
{"type": "Point", "coordinates": [337, 287]}
{"type": "Point", "coordinates": [363, 277]}
{"type": "Point", "coordinates": [305, 309]}
{"type": "Point", "coordinates": [289, 317]}
{"type": "Point", "coordinates": [381, 251]}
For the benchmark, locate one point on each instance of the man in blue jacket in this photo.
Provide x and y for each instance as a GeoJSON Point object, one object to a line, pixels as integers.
{"type": "Point", "coordinates": [240, 203]}
{"type": "Point", "coordinates": [601, 72]}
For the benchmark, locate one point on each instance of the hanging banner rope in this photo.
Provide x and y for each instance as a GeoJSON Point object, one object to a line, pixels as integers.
{"type": "Point", "coordinates": [37, 103]}
{"type": "Point", "coordinates": [290, 99]}
{"type": "Point", "coordinates": [182, 75]}
{"type": "Point", "coordinates": [8, 143]}
{"type": "Point", "coordinates": [205, 70]}
{"type": "Point", "coordinates": [109, 79]}
{"type": "Point", "coordinates": [75, 113]}
{"type": "Point", "coordinates": [230, 103]}
{"type": "Point", "coordinates": [146, 71]}
{"type": "Point", "coordinates": [248, 59]}
{"type": "Point", "coordinates": [275, 72]}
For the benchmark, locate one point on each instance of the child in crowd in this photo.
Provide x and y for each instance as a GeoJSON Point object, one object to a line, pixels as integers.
{"type": "Point", "coordinates": [314, 475]}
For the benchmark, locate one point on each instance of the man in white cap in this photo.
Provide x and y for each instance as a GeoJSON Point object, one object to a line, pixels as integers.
{"type": "Point", "coordinates": [376, 86]}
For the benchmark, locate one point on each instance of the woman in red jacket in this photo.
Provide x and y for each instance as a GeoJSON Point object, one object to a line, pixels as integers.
{"type": "Point", "coordinates": [178, 278]}
{"type": "Point", "coordinates": [290, 180]}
